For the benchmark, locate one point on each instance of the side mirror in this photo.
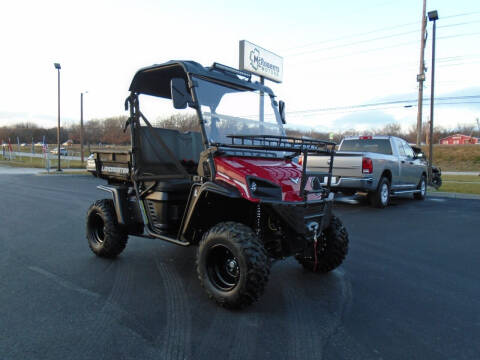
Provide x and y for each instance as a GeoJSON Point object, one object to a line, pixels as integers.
{"type": "Point", "coordinates": [179, 92]}
{"type": "Point", "coordinates": [281, 110]}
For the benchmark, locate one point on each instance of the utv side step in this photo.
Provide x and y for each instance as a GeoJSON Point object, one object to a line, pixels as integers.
{"type": "Point", "coordinates": [151, 234]}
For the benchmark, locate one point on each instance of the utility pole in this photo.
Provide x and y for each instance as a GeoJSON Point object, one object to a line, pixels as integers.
{"type": "Point", "coordinates": [81, 126]}
{"type": "Point", "coordinates": [421, 74]}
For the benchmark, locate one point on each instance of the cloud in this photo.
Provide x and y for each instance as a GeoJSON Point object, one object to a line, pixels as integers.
{"type": "Point", "coordinates": [12, 118]}
{"type": "Point", "coordinates": [363, 120]}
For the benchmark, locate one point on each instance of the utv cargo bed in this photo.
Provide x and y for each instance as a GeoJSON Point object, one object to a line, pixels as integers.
{"type": "Point", "coordinates": [111, 164]}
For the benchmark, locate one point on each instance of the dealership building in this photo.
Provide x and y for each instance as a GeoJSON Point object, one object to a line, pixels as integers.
{"type": "Point", "coordinates": [458, 139]}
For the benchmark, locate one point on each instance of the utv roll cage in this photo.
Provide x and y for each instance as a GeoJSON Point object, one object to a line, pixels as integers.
{"type": "Point", "coordinates": [154, 81]}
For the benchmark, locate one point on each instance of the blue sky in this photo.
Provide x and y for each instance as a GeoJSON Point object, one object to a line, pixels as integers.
{"type": "Point", "coordinates": [336, 54]}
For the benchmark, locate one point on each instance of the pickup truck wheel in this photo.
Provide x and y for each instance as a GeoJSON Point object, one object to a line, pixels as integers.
{"type": "Point", "coordinates": [105, 236]}
{"type": "Point", "coordinates": [381, 197]}
{"type": "Point", "coordinates": [422, 186]}
{"type": "Point", "coordinates": [332, 248]}
{"type": "Point", "coordinates": [232, 265]}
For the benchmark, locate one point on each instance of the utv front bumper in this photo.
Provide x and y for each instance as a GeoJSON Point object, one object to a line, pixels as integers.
{"type": "Point", "coordinates": [303, 216]}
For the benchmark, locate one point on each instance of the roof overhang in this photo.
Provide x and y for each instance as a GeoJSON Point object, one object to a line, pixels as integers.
{"type": "Point", "coordinates": [155, 80]}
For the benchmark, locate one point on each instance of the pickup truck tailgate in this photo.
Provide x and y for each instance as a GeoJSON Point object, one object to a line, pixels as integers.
{"type": "Point", "coordinates": [344, 164]}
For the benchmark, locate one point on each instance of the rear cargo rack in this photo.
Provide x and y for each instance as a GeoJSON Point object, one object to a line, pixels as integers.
{"type": "Point", "coordinates": [299, 146]}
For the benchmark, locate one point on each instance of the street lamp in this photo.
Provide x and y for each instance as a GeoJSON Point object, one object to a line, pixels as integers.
{"type": "Point", "coordinates": [58, 67]}
{"type": "Point", "coordinates": [81, 125]}
{"type": "Point", "coordinates": [432, 16]}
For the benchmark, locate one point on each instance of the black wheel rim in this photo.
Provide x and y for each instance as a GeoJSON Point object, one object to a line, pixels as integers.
{"type": "Point", "coordinates": [222, 268]}
{"type": "Point", "coordinates": [96, 228]}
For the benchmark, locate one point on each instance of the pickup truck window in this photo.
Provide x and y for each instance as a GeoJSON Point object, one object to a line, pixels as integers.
{"type": "Point", "coordinates": [379, 146]}
{"type": "Point", "coordinates": [408, 150]}
{"type": "Point", "coordinates": [399, 146]}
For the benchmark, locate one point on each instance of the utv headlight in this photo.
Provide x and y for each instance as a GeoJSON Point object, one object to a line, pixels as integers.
{"type": "Point", "coordinates": [262, 189]}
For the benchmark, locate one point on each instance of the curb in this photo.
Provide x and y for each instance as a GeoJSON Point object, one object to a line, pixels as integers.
{"type": "Point", "coordinates": [54, 174]}
{"type": "Point", "coordinates": [454, 195]}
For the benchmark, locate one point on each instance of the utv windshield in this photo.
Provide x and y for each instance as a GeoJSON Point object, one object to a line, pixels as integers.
{"type": "Point", "coordinates": [236, 111]}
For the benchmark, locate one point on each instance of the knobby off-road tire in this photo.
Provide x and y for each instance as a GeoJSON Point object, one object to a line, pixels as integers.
{"type": "Point", "coordinates": [332, 248]}
{"type": "Point", "coordinates": [232, 265]}
{"type": "Point", "coordinates": [422, 186]}
{"type": "Point", "coordinates": [105, 236]}
{"type": "Point", "coordinates": [381, 197]}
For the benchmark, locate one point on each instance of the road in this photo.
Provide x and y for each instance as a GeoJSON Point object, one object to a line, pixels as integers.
{"type": "Point", "coordinates": [408, 289]}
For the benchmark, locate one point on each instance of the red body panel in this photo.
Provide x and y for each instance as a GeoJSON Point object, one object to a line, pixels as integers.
{"type": "Point", "coordinates": [233, 170]}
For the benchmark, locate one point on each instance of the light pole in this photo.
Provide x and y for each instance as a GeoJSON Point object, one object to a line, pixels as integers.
{"type": "Point", "coordinates": [81, 125]}
{"type": "Point", "coordinates": [432, 16]}
{"type": "Point", "coordinates": [58, 67]}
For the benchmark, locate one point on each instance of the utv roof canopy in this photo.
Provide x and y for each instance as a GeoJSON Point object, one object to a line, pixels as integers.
{"type": "Point", "coordinates": [155, 80]}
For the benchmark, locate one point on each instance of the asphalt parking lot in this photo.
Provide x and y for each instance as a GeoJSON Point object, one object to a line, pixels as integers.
{"type": "Point", "coordinates": [409, 288]}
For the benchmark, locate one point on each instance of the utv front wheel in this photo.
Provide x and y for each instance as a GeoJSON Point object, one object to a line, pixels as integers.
{"type": "Point", "coordinates": [105, 236]}
{"type": "Point", "coordinates": [331, 249]}
{"type": "Point", "coordinates": [232, 265]}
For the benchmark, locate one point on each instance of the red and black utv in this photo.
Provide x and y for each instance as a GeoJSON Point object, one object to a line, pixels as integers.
{"type": "Point", "coordinates": [233, 187]}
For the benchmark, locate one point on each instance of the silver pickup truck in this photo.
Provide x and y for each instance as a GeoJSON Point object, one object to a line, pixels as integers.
{"type": "Point", "coordinates": [377, 165]}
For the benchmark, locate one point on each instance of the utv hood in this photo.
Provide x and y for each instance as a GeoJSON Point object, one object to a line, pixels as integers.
{"type": "Point", "coordinates": [261, 179]}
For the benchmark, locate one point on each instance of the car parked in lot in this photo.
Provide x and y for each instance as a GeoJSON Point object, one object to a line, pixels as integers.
{"type": "Point", "coordinates": [63, 151]}
{"type": "Point", "coordinates": [380, 166]}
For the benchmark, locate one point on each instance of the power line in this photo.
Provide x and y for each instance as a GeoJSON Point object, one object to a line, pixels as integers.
{"type": "Point", "coordinates": [378, 31]}
{"type": "Point", "coordinates": [398, 107]}
{"type": "Point", "coordinates": [458, 35]}
{"type": "Point", "coordinates": [353, 43]}
{"type": "Point", "coordinates": [359, 52]}
{"type": "Point", "coordinates": [444, 98]}
{"type": "Point", "coordinates": [376, 39]}
{"type": "Point", "coordinates": [352, 36]}
{"type": "Point", "coordinates": [462, 14]}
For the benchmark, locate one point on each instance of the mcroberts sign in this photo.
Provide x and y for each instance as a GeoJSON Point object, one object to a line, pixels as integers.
{"type": "Point", "coordinates": [259, 61]}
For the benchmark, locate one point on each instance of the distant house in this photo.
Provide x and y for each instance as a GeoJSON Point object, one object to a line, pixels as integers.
{"type": "Point", "coordinates": [458, 139]}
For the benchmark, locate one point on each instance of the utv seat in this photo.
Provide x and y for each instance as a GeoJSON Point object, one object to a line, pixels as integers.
{"type": "Point", "coordinates": [174, 186]}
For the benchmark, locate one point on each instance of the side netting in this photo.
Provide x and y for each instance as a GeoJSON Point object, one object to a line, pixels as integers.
{"type": "Point", "coordinates": [154, 160]}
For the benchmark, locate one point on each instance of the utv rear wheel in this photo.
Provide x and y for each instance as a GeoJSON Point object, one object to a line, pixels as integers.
{"type": "Point", "coordinates": [105, 236]}
{"type": "Point", "coordinates": [332, 248]}
{"type": "Point", "coordinates": [381, 197]}
{"type": "Point", "coordinates": [232, 265]}
{"type": "Point", "coordinates": [422, 186]}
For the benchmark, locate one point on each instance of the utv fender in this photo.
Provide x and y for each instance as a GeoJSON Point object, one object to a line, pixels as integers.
{"type": "Point", "coordinates": [199, 198]}
{"type": "Point", "coordinates": [119, 196]}
{"type": "Point", "coordinates": [219, 188]}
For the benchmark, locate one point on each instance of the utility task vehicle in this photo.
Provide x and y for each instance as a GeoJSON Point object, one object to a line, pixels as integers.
{"type": "Point", "coordinates": [232, 187]}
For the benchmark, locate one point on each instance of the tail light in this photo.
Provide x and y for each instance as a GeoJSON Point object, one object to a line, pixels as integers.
{"type": "Point", "coordinates": [365, 138]}
{"type": "Point", "coordinates": [367, 165]}
{"type": "Point", "coordinates": [300, 160]}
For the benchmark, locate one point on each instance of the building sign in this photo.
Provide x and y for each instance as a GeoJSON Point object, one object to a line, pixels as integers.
{"type": "Point", "coordinates": [261, 62]}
